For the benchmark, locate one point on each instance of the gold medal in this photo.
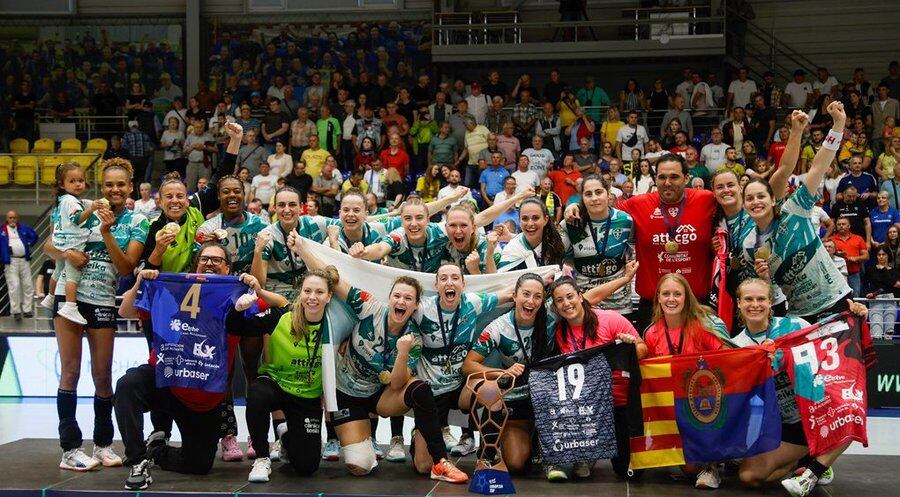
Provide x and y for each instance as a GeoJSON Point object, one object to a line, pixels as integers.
{"type": "Point", "coordinates": [763, 252]}
{"type": "Point", "coordinates": [448, 367]}
{"type": "Point", "coordinates": [735, 262]}
{"type": "Point", "coordinates": [384, 377]}
{"type": "Point", "coordinates": [671, 246]}
{"type": "Point", "coordinates": [601, 271]}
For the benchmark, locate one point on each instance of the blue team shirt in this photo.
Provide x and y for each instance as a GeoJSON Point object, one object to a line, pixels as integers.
{"type": "Point", "coordinates": [881, 221]}
{"type": "Point", "coordinates": [188, 314]}
{"type": "Point", "coordinates": [493, 180]}
{"type": "Point", "coordinates": [864, 183]}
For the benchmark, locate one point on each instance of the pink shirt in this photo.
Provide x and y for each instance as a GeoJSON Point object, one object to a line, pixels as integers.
{"type": "Point", "coordinates": [609, 325]}
{"type": "Point", "coordinates": [510, 147]}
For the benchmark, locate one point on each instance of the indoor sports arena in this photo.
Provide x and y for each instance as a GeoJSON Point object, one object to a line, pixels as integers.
{"type": "Point", "coordinates": [456, 247]}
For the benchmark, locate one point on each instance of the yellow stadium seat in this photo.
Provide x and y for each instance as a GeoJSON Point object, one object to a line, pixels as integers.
{"type": "Point", "coordinates": [6, 166]}
{"type": "Point", "coordinates": [48, 168]}
{"type": "Point", "coordinates": [96, 145]}
{"type": "Point", "coordinates": [70, 146]}
{"type": "Point", "coordinates": [44, 145]}
{"type": "Point", "coordinates": [25, 170]}
{"type": "Point", "coordinates": [19, 146]}
{"type": "Point", "coordinates": [85, 160]}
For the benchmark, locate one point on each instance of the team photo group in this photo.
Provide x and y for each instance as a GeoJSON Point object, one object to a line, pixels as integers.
{"type": "Point", "coordinates": [707, 329]}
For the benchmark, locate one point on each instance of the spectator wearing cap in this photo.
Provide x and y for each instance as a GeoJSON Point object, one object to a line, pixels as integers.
{"type": "Point", "coordinates": [798, 93]}
{"type": "Point", "coordinates": [275, 126]}
{"type": "Point", "coordinates": [168, 89]}
{"type": "Point", "coordinates": [140, 148]}
{"type": "Point", "coordinates": [478, 103]}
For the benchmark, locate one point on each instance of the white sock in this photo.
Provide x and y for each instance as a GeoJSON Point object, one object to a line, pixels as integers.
{"type": "Point", "coordinates": [71, 305]}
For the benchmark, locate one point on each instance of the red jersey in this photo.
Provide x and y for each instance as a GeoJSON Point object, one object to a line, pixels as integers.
{"type": "Point", "coordinates": [693, 233]}
{"type": "Point", "coordinates": [776, 150]}
{"type": "Point", "coordinates": [655, 339]}
{"type": "Point", "coordinates": [397, 161]}
{"type": "Point", "coordinates": [559, 177]}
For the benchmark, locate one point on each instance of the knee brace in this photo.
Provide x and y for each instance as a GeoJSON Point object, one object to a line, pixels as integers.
{"type": "Point", "coordinates": [360, 457]}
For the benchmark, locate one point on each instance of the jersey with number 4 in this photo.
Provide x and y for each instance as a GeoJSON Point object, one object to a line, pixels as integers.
{"type": "Point", "coordinates": [188, 312]}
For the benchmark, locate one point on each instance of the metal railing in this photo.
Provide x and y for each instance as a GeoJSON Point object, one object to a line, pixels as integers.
{"type": "Point", "coordinates": [468, 28]}
{"type": "Point", "coordinates": [884, 323]}
{"type": "Point", "coordinates": [87, 125]}
{"type": "Point", "coordinates": [44, 188]}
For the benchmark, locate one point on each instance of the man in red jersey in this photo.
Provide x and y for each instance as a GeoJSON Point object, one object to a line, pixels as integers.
{"type": "Point", "coordinates": [673, 232]}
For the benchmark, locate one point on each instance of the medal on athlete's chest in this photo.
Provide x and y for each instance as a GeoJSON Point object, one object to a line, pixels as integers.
{"type": "Point", "coordinates": [735, 262]}
{"type": "Point", "coordinates": [448, 366]}
{"type": "Point", "coordinates": [671, 218]}
{"type": "Point", "coordinates": [671, 247]}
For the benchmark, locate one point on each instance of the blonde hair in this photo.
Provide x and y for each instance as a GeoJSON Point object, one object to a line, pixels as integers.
{"type": "Point", "coordinates": [467, 209]}
{"type": "Point", "coordinates": [299, 325]}
{"type": "Point", "coordinates": [757, 281]}
{"type": "Point", "coordinates": [693, 315]}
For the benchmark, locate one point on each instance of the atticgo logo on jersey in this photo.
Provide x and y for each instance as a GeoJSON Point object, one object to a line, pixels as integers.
{"type": "Point", "coordinates": [852, 394]}
{"type": "Point", "coordinates": [204, 351]}
{"type": "Point", "coordinates": [705, 392]}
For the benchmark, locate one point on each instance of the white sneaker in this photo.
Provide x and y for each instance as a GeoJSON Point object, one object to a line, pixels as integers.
{"type": "Point", "coordinates": [582, 469]}
{"type": "Point", "coordinates": [70, 311]}
{"type": "Point", "coordinates": [709, 477]}
{"type": "Point", "coordinates": [464, 447]}
{"type": "Point", "coordinates": [275, 451]}
{"type": "Point", "coordinates": [262, 468]}
{"type": "Point", "coordinates": [332, 450]}
{"type": "Point", "coordinates": [379, 454]}
{"type": "Point", "coordinates": [77, 460]}
{"type": "Point", "coordinates": [47, 301]}
{"type": "Point", "coordinates": [449, 440]}
{"type": "Point", "coordinates": [800, 486]}
{"type": "Point", "coordinates": [396, 452]}
{"type": "Point", "coordinates": [106, 456]}
{"type": "Point", "coordinates": [282, 451]}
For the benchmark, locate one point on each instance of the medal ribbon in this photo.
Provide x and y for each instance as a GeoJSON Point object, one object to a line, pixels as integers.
{"type": "Point", "coordinates": [672, 349]}
{"type": "Point", "coordinates": [672, 225]}
{"type": "Point", "coordinates": [448, 345]}
{"type": "Point", "coordinates": [601, 252]}
{"type": "Point", "coordinates": [519, 339]}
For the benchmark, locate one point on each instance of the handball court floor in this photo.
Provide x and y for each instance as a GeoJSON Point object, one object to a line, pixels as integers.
{"type": "Point", "coordinates": [28, 468]}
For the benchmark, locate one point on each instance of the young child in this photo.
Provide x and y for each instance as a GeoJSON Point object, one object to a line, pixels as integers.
{"type": "Point", "coordinates": [889, 131]}
{"type": "Point", "coordinates": [71, 226]}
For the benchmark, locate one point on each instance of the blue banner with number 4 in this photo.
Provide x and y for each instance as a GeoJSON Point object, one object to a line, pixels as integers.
{"type": "Point", "coordinates": [188, 315]}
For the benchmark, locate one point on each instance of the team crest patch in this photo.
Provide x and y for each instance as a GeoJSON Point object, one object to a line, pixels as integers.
{"type": "Point", "coordinates": [705, 390]}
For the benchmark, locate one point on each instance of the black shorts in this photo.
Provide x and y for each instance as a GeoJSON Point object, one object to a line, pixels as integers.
{"type": "Point", "coordinates": [355, 408]}
{"type": "Point", "coordinates": [792, 433]}
{"type": "Point", "coordinates": [98, 317]}
{"type": "Point", "coordinates": [520, 409]}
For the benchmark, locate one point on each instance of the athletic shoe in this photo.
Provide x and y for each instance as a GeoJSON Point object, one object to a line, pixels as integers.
{"type": "Point", "coordinates": [281, 430]}
{"type": "Point", "coordinates": [28, 315]}
{"type": "Point", "coordinates": [231, 450]}
{"type": "Point", "coordinates": [446, 471]}
{"type": "Point", "coordinates": [70, 311]}
{"type": "Point", "coordinates": [379, 454]}
{"type": "Point", "coordinates": [332, 450]}
{"type": "Point", "coordinates": [275, 451]}
{"type": "Point", "coordinates": [260, 471]}
{"type": "Point", "coordinates": [464, 447]}
{"type": "Point", "coordinates": [582, 469]}
{"type": "Point", "coordinates": [139, 478]}
{"type": "Point", "coordinates": [449, 439]}
{"type": "Point", "coordinates": [77, 460]}
{"type": "Point", "coordinates": [157, 438]}
{"type": "Point", "coordinates": [106, 456]}
{"type": "Point", "coordinates": [708, 478]}
{"type": "Point", "coordinates": [47, 302]}
{"type": "Point", "coordinates": [251, 452]}
{"type": "Point", "coordinates": [800, 486]}
{"type": "Point", "coordinates": [396, 452]}
{"type": "Point", "coordinates": [555, 474]}
{"type": "Point", "coordinates": [826, 478]}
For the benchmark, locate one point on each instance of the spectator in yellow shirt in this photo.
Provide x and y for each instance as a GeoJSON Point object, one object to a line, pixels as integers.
{"type": "Point", "coordinates": [314, 157]}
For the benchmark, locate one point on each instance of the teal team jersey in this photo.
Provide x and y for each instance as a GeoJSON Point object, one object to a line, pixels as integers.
{"type": "Point", "coordinates": [441, 362]}
{"type": "Point", "coordinates": [424, 258]}
{"type": "Point", "coordinates": [501, 336]}
{"type": "Point", "coordinates": [99, 277]}
{"type": "Point", "coordinates": [593, 264]}
{"type": "Point", "coordinates": [240, 240]}
{"type": "Point", "coordinates": [451, 254]}
{"type": "Point", "coordinates": [799, 263]}
{"type": "Point", "coordinates": [285, 266]}
{"type": "Point", "coordinates": [371, 349]}
{"type": "Point", "coordinates": [519, 254]}
{"type": "Point", "coordinates": [739, 227]}
{"type": "Point", "coordinates": [373, 232]}
{"type": "Point", "coordinates": [778, 327]}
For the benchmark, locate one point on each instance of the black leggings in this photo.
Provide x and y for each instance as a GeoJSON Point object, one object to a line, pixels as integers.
{"type": "Point", "coordinates": [303, 440]}
{"type": "Point", "coordinates": [420, 399]}
{"type": "Point", "coordinates": [136, 393]}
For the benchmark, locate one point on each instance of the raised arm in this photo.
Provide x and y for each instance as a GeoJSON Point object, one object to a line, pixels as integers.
{"type": "Point", "coordinates": [603, 291]}
{"type": "Point", "coordinates": [127, 309]}
{"type": "Point", "coordinates": [274, 300]}
{"type": "Point", "coordinates": [439, 205]}
{"type": "Point", "coordinates": [303, 247]}
{"type": "Point", "coordinates": [259, 268]}
{"type": "Point", "coordinates": [488, 215]}
{"type": "Point", "coordinates": [822, 161]}
{"type": "Point", "coordinates": [779, 179]}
